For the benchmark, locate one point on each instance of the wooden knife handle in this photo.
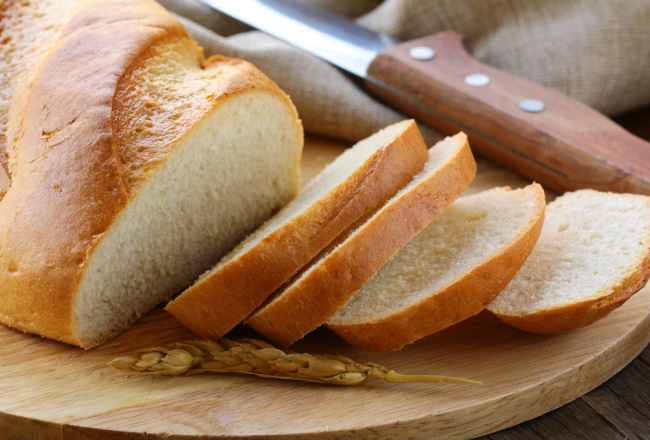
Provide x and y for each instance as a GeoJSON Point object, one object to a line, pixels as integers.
{"type": "Point", "coordinates": [566, 146]}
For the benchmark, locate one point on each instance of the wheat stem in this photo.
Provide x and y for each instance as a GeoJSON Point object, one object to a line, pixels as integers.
{"type": "Point", "coordinates": [258, 358]}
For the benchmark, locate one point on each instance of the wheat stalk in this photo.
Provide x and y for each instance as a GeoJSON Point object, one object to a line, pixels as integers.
{"type": "Point", "coordinates": [255, 357]}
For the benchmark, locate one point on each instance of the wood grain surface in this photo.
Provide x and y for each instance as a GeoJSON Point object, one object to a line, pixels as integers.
{"type": "Point", "coordinates": [617, 409]}
{"type": "Point", "coordinates": [49, 390]}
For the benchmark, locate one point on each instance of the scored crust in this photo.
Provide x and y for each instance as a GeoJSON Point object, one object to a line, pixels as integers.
{"type": "Point", "coordinates": [80, 158]}
{"type": "Point", "coordinates": [321, 290]}
{"type": "Point", "coordinates": [55, 179]}
{"type": "Point", "coordinates": [227, 295]}
{"type": "Point", "coordinates": [464, 297]}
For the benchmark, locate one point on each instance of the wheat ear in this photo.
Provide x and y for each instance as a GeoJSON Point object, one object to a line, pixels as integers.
{"type": "Point", "coordinates": [255, 357]}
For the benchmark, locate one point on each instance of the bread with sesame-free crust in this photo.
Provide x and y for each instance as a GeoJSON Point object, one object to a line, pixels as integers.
{"type": "Point", "coordinates": [447, 273]}
{"type": "Point", "coordinates": [592, 255]}
{"type": "Point", "coordinates": [134, 163]}
{"type": "Point", "coordinates": [328, 282]}
{"type": "Point", "coordinates": [362, 177]}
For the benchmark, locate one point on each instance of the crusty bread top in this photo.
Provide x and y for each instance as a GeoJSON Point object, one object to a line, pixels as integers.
{"type": "Point", "coordinates": [157, 102]}
{"type": "Point", "coordinates": [65, 160]}
{"type": "Point", "coordinates": [593, 254]}
{"type": "Point", "coordinates": [448, 272]}
{"type": "Point", "coordinates": [91, 129]}
{"type": "Point", "coordinates": [28, 31]}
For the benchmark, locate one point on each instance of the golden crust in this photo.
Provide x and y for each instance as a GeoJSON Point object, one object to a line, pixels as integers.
{"type": "Point", "coordinates": [220, 301]}
{"type": "Point", "coordinates": [571, 316]}
{"type": "Point", "coordinates": [148, 122]}
{"type": "Point", "coordinates": [66, 165]}
{"type": "Point", "coordinates": [307, 304]}
{"type": "Point", "coordinates": [77, 166]}
{"type": "Point", "coordinates": [466, 297]}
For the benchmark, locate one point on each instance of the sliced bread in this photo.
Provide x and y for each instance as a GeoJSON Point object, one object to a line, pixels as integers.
{"type": "Point", "coordinates": [447, 273]}
{"type": "Point", "coordinates": [135, 163]}
{"type": "Point", "coordinates": [592, 255]}
{"type": "Point", "coordinates": [329, 281]}
{"type": "Point", "coordinates": [361, 178]}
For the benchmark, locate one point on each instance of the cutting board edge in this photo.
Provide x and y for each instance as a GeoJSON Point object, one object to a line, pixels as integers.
{"type": "Point", "coordinates": [479, 419]}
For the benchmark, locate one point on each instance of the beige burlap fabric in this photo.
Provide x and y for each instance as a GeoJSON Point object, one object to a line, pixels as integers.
{"type": "Point", "coordinates": [597, 51]}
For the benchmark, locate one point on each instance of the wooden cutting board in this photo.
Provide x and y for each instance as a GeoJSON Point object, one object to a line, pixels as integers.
{"type": "Point", "coordinates": [49, 390]}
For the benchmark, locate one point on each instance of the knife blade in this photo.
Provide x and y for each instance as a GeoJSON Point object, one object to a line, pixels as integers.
{"type": "Point", "coordinates": [536, 131]}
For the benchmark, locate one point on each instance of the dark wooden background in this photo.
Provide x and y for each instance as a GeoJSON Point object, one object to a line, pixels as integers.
{"type": "Point", "coordinates": [619, 408]}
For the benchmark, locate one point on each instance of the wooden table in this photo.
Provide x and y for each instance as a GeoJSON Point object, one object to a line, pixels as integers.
{"type": "Point", "coordinates": [618, 409]}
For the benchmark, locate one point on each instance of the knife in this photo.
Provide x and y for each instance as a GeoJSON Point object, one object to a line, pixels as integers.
{"type": "Point", "coordinates": [536, 131]}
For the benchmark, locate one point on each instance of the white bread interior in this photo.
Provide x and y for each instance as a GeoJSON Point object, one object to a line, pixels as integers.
{"type": "Point", "coordinates": [328, 179]}
{"type": "Point", "coordinates": [362, 177]}
{"type": "Point", "coordinates": [323, 286]}
{"type": "Point", "coordinates": [448, 272]}
{"type": "Point", "coordinates": [189, 212]}
{"type": "Point", "coordinates": [592, 255]}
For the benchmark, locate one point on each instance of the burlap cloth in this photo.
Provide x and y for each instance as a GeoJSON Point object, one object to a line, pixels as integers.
{"type": "Point", "coordinates": [597, 51]}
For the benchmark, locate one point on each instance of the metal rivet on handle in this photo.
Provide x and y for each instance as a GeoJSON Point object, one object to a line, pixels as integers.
{"type": "Point", "coordinates": [422, 53]}
{"type": "Point", "coordinates": [477, 79]}
{"type": "Point", "coordinates": [532, 105]}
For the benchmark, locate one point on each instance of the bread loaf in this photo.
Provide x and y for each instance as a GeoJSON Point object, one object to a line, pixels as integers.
{"type": "Point", "coordinates": [327, 283]}
{"type": "Point", "coordinates": [359, 179]}
{"type": "Point", "coordinates": [134, 163]}
{"type": "Point", "coordinates": [447, 273]}
{"type": "Point", "coordinates": [592, 255]}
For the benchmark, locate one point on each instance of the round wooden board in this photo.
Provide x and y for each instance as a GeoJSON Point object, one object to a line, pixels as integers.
{"type": "Point", "coordinates": [50, 390]}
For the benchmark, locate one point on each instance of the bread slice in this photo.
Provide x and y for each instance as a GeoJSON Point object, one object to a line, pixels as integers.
{"type": "Point", "coordinates": [135, 163]}
{"type": "Point", "coordinates": [592, 255]}
{"type": "Point", "coordinates": [447, 273]}
{"type": "Point", "coordinates": [327, 284]}
{"type": "Point", "coordinates": [361, 178]}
